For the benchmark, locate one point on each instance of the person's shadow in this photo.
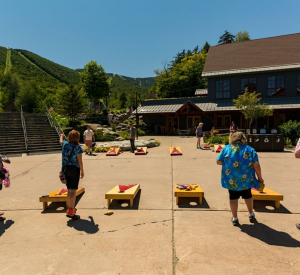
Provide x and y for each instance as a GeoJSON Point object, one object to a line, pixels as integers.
{"type": "Point", "coordinates": [84, 225]}
{"type": "Point", "coordinates": [5, 225]}
{"type": "Point", "coordinates": [269, 235]}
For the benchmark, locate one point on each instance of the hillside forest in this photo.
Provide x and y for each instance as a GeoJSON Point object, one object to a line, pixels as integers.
{"type": "Point", "coordinates": [34, 81]}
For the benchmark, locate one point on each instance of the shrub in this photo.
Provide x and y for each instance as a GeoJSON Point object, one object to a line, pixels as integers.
{"type": "Point", "coordinates": [214, 140]}
{"type": "Point", "coordinates": [114, 128]}
{"type": "Point", "coordinates": [100, 136]}
{"type": "Point", "coordinates": [141, 132]}
{"type": "Point", "coordinates": [158, 143]}
{"type": "Point", "coordinates": [124, 134]}
{"type": "Point", "coordinates": [291, 130]}
{"type": "Point", "coordinates": [225, 140]}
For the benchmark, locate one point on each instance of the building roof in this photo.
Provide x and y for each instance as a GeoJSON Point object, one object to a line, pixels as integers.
{"type": "Point", "coordinates": [227, 105]}
{"type": "Point", "coordinates": [274, 53]}
{"type": "Point", "coordinates": [201, 92]}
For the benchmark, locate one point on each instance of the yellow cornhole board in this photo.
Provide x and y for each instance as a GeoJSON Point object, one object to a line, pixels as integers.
{"type": "Point", "coordinates": [141, 151]}
{"type": "Point", "coordinates": [267, 195]}
{"type": "Point", "coordinates": [113, 151]}
{"type": "Point", "coordinates": [183, 193]}
{"type": "Point", "coordinates": [115, 194]}
{"type": "Point", "coordinates": [216, 147]}
{"type": "Point", "coordinates": [59, 195]}
{"type": "Point", "coordinates": [175, 151]}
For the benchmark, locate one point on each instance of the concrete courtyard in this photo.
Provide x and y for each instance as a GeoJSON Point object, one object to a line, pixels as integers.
{"type": "Point", "coordinates": [155, 236]}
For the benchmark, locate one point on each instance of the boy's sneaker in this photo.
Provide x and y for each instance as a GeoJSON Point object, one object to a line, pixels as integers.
{"type": "Point", "coordinates": [235, 222]}
{"type": "Point", "coordinates": [252, 218]}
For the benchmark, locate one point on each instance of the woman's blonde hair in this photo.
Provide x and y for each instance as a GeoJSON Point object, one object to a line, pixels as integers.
{"type": "Point", "coordinates": [73, 137]}
{"type": "Point", "coordinates": [200, 124]}
{"type": "Point", "coordinates": [238, 138]}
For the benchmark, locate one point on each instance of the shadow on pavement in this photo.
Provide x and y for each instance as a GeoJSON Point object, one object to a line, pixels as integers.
{"type": "Point", "coordinates": [269, 207]}
{"type": "Point", "coordinates": [84, 225]}
{"type": "Point", "coordinates": [5, 225]}
{"type": "Point", "coordinates": [269, 235]}
{"type": "Point", "coordinates": [125, 205]}
{"type": "Point", "coordinates": [192, 203]}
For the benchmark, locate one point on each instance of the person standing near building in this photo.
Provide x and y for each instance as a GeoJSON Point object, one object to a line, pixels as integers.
{"type": "Point", "coordinates": [72, 163]}
{"type": "Point", "coordinates": [239, 165]}
{"type": "Point", "coordinates": [88, 137]}
{"type": "Point", "coordinates": [4, 179]}
{"type": "Point", "coordinates": [297, 155]}
{"type": "Point", "coordinates": [132, 137]}
{"type": "Point", "coordinates": [199, 135]}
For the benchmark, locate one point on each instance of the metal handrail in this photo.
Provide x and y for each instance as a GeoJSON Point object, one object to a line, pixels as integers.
{"type": "Point", "coordinates": [53, 122]}
{"type": "Point", "coordinates": [24, 130]}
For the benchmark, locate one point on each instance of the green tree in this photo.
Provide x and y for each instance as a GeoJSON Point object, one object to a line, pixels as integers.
{"type": "Point", "coordinates": [123, 99]}
{"type": "Point", "coordinates": [73, 101]}
{"type": "Point", "coordinates": [250, 107]}
{"type": "Point", "coordinates": [29, 98]}
{"type": "Point", "coordinates": [226, 38]}
{"type": "Point", "coordinates": [242, 36]}
{"type": "Point", "coordinates": [205, 48]}
{"type": "Point", "coordinates": [94, 81]}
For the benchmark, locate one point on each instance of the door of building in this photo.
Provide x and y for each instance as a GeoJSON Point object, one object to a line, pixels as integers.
{"type": "Point", "coordinates": [192, 122]}
{"type": "Point", "coordinates": [173, 125]}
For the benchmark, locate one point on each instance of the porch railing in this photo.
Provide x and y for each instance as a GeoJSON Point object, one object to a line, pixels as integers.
{"type": "Point", "coordinates": [24, 130]}
{"type": "Point", "coordinates": [53, 122]}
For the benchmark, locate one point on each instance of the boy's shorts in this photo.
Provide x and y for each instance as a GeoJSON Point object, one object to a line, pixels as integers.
{"type": "Point", "coordinates": [235, 195]}
{"type": "Point", "coordinates": [88, 143]}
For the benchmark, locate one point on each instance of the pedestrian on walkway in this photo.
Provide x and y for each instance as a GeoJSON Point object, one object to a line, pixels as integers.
{"type": "Point", "coordinates": [239, 165]}
{"type": "Point", "coordinates": [297, 155]}
{"type": "Point", "coordinates": [199, 135]}
{"type": "Point", "coordinates": [132, 137]}
{"type": "Point", "coordinates": [88, 137]}
{"type": "Point", "coordinates": [72, 163]}
{"type": "Point", "coordinates": [4, 179]}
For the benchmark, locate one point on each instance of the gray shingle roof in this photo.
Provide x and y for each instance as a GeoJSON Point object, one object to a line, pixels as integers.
{"type": "Point", "coordinates": [227, 105]}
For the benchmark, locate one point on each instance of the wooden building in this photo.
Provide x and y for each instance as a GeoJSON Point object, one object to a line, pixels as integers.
{"type": "Point", "coordinates": [269, 66]}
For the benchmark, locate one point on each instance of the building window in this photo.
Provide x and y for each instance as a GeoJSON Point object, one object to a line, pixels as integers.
{"type": "Point", "coordinates": [223, 89]}
{"type": "Point", "coordinates": [298, 84]}
{"type": "Point", "coordinates": [223, 121]}
{"type": "Point", "coordinates": [249, 84]}
{"type": "Point", "coordinates": [276, 85]}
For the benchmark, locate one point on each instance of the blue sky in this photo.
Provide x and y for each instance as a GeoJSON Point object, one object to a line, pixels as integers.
{"type": "Point", "coordinates": [135, 37]}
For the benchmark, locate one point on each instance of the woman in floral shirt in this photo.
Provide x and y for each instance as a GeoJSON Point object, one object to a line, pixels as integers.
{"type": "Point", "coordinates": [239, 164]}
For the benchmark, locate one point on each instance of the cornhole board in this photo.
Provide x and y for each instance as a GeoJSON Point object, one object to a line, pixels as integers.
{"type": "Point", "coordinates": [175, 151]}
{"type": "Point", "coordinates": [267, 195]}
{"type": "Point", "coordinates": [59, 195]}
{"type": "Point", "coordinates": [219, 147]}
{"type": "Point", "coordinates": [115, 194]}
{"type": "Point", "coordinates": [141, 151]}
{"type": "Point", "coordinates": [113, 152]}
{"type": "Point", "coordinates": [182, 193]}
{"type": "Point", "coordinates": [206, 148]}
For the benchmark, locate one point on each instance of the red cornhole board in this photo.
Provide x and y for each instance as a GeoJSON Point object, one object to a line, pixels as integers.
{"type": "Point", "coordinates": [218, 148]}
{"type": "Point", "coordinates": [141, 151]}
{"type": "Point", "coordinates": [175, 151]}
{"type": "Point", "coordinates": [123, 188]}
{"type": "Point", "coordinates": [206, 147]}
{"type": "Point", "coordinates": [113, 152]}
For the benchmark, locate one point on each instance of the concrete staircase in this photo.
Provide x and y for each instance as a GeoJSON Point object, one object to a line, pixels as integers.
{"type": "Point", "coordinates": [11, 134]}
{"type": "Point", "coordinates": [41, 136]}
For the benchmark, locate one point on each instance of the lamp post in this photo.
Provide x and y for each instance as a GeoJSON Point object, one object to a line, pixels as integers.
{"type": "Point", "coordinates": [136, 115]}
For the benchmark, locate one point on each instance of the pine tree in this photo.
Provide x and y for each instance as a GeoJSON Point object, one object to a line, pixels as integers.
{"type": "Point", "coordinates": [226, 38]}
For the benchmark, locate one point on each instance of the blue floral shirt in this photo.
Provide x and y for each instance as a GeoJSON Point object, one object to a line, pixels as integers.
{"type": "Point", "coordinates": [237, 169]}
{"type": "Point", "coordinates": [66, 151]}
